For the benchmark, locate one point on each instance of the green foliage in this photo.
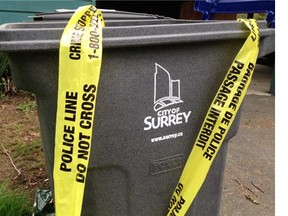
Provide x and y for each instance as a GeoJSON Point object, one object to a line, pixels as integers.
{"type": "Point", "coordinates": [6, 84]}
{"type": "Point", "coordinates": [26, 150]}
{"type": "Point", "coordinates": [27, 106]}
{"type": "Point", "coordinates": [14, 202]}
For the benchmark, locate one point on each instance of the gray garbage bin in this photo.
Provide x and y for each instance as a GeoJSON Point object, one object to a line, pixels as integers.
{"type": "Point", "coordinates": [157, 82]}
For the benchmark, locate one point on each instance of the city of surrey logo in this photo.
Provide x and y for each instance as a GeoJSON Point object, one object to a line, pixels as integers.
{"type": "Point", "coordinates": [166, 94]}
{"type": "Point", "coordinates": [166, 90]}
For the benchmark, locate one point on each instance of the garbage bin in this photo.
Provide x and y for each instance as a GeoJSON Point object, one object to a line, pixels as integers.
{"type": "Point", "coordinates": [157, 82]}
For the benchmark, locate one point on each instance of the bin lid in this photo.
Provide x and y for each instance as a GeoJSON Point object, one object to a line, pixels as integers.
{"type": "Point", "coordinates": [127, 33]}
{"type": "Point", "coordinates": [107, 13]}
{"type": "Point", "coordinates": [108, 23]}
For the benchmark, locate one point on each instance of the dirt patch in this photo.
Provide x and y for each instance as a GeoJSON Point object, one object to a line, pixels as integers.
{"type": "Point", "coordinates": [20, 144]}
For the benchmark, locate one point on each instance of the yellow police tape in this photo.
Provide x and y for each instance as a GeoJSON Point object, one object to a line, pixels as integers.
{"type": "Point", "coordinates": [223, 108]}
{"type": "Point", "coordinates": [80, 60]}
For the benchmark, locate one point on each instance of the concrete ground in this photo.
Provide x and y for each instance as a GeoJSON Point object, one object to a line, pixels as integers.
{"type": "Point", "coordinates": [249, 181]}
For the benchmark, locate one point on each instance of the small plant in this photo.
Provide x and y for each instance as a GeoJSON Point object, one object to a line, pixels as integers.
{"type": "Point", "coordinates": [26, 149]}
{"type": "Point", "coordinates": [6, 84]}
{"type": "Point", "coordinates": [14, 202]}
{"type": "Point", "coordinates": [27, 106]}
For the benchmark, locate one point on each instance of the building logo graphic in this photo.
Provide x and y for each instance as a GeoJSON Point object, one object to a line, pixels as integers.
{"type": "Point", "coordinates": [166, 90]}
{"type": "Point", "coordinates": [166, 93]}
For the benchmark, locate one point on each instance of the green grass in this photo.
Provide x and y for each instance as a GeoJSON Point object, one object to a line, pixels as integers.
{"type": "Point", "coordinates": [14, 202]}
{"type": "Point", "coordinates": [26, 106]}
{"type": "Point", "coordinates": [25, 149]}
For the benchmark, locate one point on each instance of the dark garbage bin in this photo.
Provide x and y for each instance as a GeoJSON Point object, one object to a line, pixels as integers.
{"type": "Point", "coordinates": [157, 82]}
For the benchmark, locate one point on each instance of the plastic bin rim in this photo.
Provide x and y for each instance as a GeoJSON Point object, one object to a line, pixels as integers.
{"type": "Point", "coordinates": [131, 36]}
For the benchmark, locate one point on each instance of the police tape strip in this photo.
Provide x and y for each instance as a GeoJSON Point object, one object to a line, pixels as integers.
{"type": "Point", "coordinates": [216, 124]}
{"type": "Point", "coordinates": [80, 60]}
